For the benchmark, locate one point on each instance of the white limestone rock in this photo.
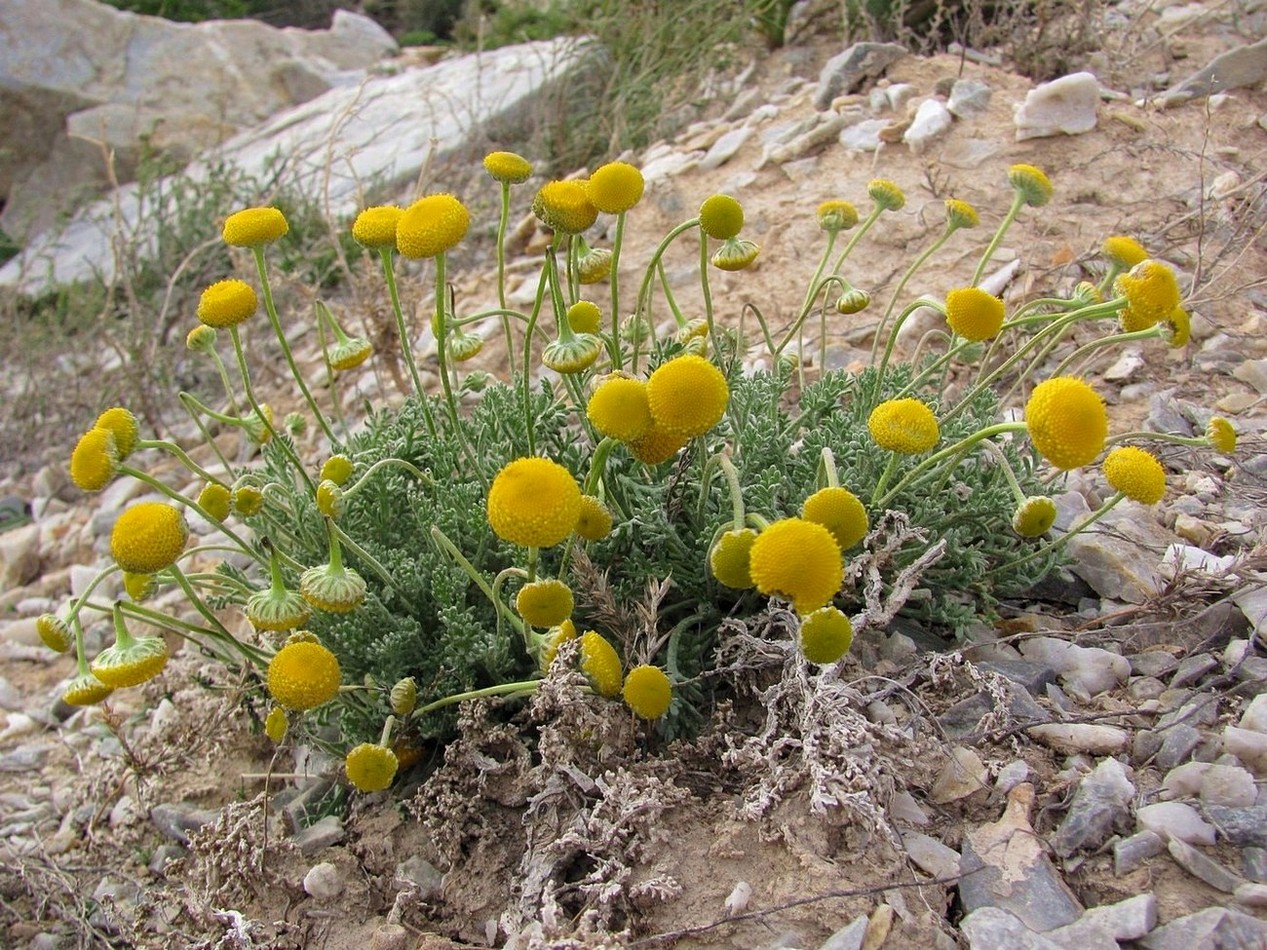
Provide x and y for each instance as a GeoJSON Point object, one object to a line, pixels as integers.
{"type": "Point", "coordinates": [1064, 106]}
{"type": "Point", "coordinates": [932, 120]}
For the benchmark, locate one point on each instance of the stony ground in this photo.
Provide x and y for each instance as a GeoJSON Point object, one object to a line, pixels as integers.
{"type": "Point", "coordinates": [1086, 772]}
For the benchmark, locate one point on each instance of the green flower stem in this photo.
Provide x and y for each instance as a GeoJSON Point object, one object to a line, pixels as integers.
{"type": "Point", "coordinates": [523, 688]}
{"type": "Point", "coordinates": [1000, 457]}
{"type": "Point", "coordinates": [674, 641]}
{"type": "Point", "coordinates": [953, 450]}
{"type": "Point", "coordinates": [442, 327]}
{"type": "Point", "coordinates": [707, 291]}
{"type": "Point", "coordinates": [171, 447]}
{"type": "Point", "coordinates": [183, 628]}
{"type": "Point", "coordinates": [897, 292]}
{"type": "Point", "coordinates": [502, 575]}
{"type": "Point", "coordinates": [1054, 547]}
{"type": "Point", "coordinates": [387, 731]}
{"type": "Point", "coordinates": [207, 438]}
{"type": "Point", "coordinates": [195, 407]}
{"type": "Point", "coordinates": [1150, 333]}
{"type": "Point", "coordinates": [386, 463]}
{"type": "Point", "coordinates": [735, 489]}
{"type": "Point", "coordinates": [123, 638]}
{"type": "Point", "coordinates": [678, 316]}
{"type": "Point", "coordinates": [339, 536]}
{"type": "Point", "coordinates": [81, 661]}
{"type": "Point", "coordinates": [402, 333]}
{"type": "Point", "coordinates": [1139, 435]}
{"type": "Point", "coordinates": [883, 481]}
{"type": "Point", "coordinates": [190, 503]}
{"type": "Point", "coordinates": [451, 549]}
{"type": "Point", "coordinates": [250, 398]}
{"type": "Point", "coordinates": [863, 228]}
{"type": "Point", "coordinates": [270, 308]}
{"type": "Point", "coordinates": [1018, 202]}
{"type": "Point", "coordinates": [502, 222]}
{"type": "Point", "coordinates": [811, 292]}
{"type": "Point", "coordinates": [643, 307]}
{"type": "Point", "coordinates": [332, 377]}
{"type": "Point", "coordinates": [1109, 276]}
{"type": "Point", "coordinates": [224, 381]}
{"type": "Point", "coordinates": [598, 464]}
{"type": "Point", "coordinates": [614, 279]}
{"type": "Point", "coordinates": [530, 427]}
{"type": "Point", "coordinates": [827, 476]}
{"type": "Point", "coordinates": [897, 327]}
{"type": "Point", "coordinates": [822, 322]}
{"type": "Point", "coordinates": [221, 632]}
{"type": "Point", "coordinates": [78, 603]}
{"type": "Point", "coordinates": [533, 555]}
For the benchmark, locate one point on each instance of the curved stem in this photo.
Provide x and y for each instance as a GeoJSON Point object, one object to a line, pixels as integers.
{"type": "Point", "coordinates": [897, 292]}
{"type": "Point", "coordinates": [614, 278]}
{"type": "Point", "coordinates": [1018, 200]}
{"type": "Point", "coordinates": [502, 221]}
{"type": "Point", "coordinates": [981, 434]}
{"type": "Point", "coordinates": [250, 397]}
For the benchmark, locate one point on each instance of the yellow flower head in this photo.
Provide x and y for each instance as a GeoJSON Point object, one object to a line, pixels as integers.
{"type": "Point", "coordinates": [216, 500]}
{"type": "Point", "coordinates": [121, 666]}
{"type": "Point", "coordinates": [254, 227]}
{"type": "Point", "coordinates": [886, 194]}
{"type": "Point", "coordinates": [648, 691]}
{"type": "Point", "coordinates": [271, 609]}
{"type": "Point", "coordinates": [594, 265]}
{"type": "Point", "coordinates": [1221, 435]}
{"type": "Point", "coordinates": [1031, 183]}
{"type": "Point", "coordinates": [735, 254]}
{"type": "Point", "coordinates": [1136, 474]}
{"type": "Point", "coordinates": [276, 724]}
{"type": "Point", "coordinates": [375, 228]}
{"type": "Point", "coordinates": [337, 469]}
{"type": "Point", "coordinates": [619, 407]}
{"type": "Point", "coordinates": [836, 216]}
{"type": "Point", "coordinates": [615, 187]}
{"type": "Point", "coordinates": [572, 356]}
{"type": "Point", "coordinates": [720, 217]}
{"type": "Point", "coordinates": [656, 445]}
{"type": "Point", "coordinates": [1176, 329]}
{"type": "Point", "coordinates": [826, 635]}
{"type": "Point", "coordinates": [149, 537]}
{"type": "Point", "coordinates": [226, 303]}
{"type": "Point", "coordinates": [1067, 422]}
{"type": "Point", "coordinates": [334, 590]}
{"type": "Point", "coordinates": [840, 512]}
{"type": "Point", "coordinates": [122, 423]}
{"type": "Point", "coordinates": [431, 225]}
{"type": "Point", "coordinates": [1123, 251]}
{"type": "Point", "coordinates": [247, 500]}
{"type": "Point", "coordinates": [139, 587]}
{"type": "Point", "coordinates": [94, 460]}
{"type": "Point", "coordinates": [595, 520]}
{"type": "Point", "coordinates": [350, 353]}
{"type": "Point", "coordinates": [799, 560]}
{"type": "Point", "coordinates": [545, 603]}
{"type": "Point", "coordinates": [201, 339]}
{"type": "Point", "coordinates": [371, 767]}
{"type": "Point", "coordinates": [687, 395]}
{"type": "Point", "coordinates": [554, 639]}
{"type": "Point", "coordinates": [730, 558]}
{"type": "Point", "coordinates": [1151, 291]}
{"type": "Point", "coordinates": [303, 674]}
{"type": "Point", "coordinates": [55, 632]}
{"type": "Point", "coordinates": [508, 167]}
{"type": "Point", "coordinates": [852, 301]}
{"type": "Point", "coordinates": [85, 690]}
{"type": "Point", "coordinates": [584, 317]}
{"type": "Point", "coordinates": [533, 502]}
{"type": "Point", "coordinates": [403, 696]}
{"type": "Point", "coordinates": [565, 206]}
{"type": "Point", "coordinates": [973, 313]}
{"type": "Point", "coordinates": [904, 425]}
{"type": "Point", "coordinates": [1034, 516]}
{"type": "Point", "coordinates": [600, 662]}
{"type": "Point", "coordinates": [960, 214]}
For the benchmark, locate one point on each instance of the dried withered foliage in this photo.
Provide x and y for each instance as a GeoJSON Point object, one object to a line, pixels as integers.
{"type": "Point", "coordinates": [227, 863]}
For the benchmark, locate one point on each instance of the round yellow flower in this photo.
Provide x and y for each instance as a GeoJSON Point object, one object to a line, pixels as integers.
{"type": "Point", "coordinates": [594, 265]}
{"type": "Point", "coordinates": [615, 187]}
{"type": "Point", "coordinates": [276, 724]}
{"type": "Point", "coordinates": [601, 663]}
{"type": "Point", "coordinates": [139, 587]}
{"type": "Point", "coordinates": [1067, 422]}
{"type": "Point", "coordinates": [730, 558]}
{"type": "Point", "coordinates": [122, 423]}
{"type": "Point", "coordinates": [508, 167]}
{"type": "Point", "coordinates": [1151, 291]}
{"type": "Point", "coordinates": [270, 609]}
{"type": "Point", "coordinates": [656, 445]}
{"type": "Point", "coordinates": [572, 356]}
{"type": "Point", "coordinates": [565, 206]}
{"type": "Point", "coordinates": [371, 767]}
{"type": "Point", "coordinates": [329, 499]}
{"type": "Point", "coordinates": [375, 227]}
{"type": "Point", "coordinates": [904, 425]}
{"type": "Point", "coordinates": [337, 469]}
{"type": "Point", "coordinates": [85, 690]}
{"type": "Point", "coordinates": [303, 674]}
{"type": "Point", "coordinates": [840, 512]}
{"type": "Point", "coordinates": [201, 339]}
{"type": "Point", "coordinates": [687, 395]}
{"type": "Point", "coordinates": [1176, 329]}
{"type": "Point", "coordinates": [247, 500]}
{"type": "Point", "coordinates": [1123, 251]}
{"type": "Point", "coordinates": [595, 521]}
{"type": "Point", "coordinates": [648, 691]}
{"type": "Point", "coordinates": [735, 254]}
{"type": "Point", "coordinates": [533, 502]}
{"type": "Point", "coordinates": [619, 407]}
{"type": "Point", "coordinates": [826, 635]}
{"type": "Point", "coordinates": [350, 353]}
{"type": "Point", "coordinates": [720, 217]}
{"type": "Point", "coordinates": [973, 313]}
{"type": "Point", "coordinates": [1031, 183]}
{"type": "Point", "coordinates": [334, 590]}
{"type": "Point", "coordinates": [1221, 435]}
{"type": "Point", "coordinates": [960, 214]}
{"type": "Point", "coordinates": [799, 560]}
{"type": "Point", "coordinates": [836, 216]}
{"type": "Point", "coordinates": [149, 537]}
{"type": "Point", "coordinates": [554, 639]}
{"type": "Point", "coordinates": [140, 661]}
{"type": "Point", "coordinates": [55, 632]}
{"type": "Point", "coordinates": [226, 303]}
{"type": "Point", "coordinates": [1034, 516]}
{"type": "Point", "coordinates": [254, 226]}
{"type": "Point", "coordinates": [886, 194]}
{"type": "Point", "coordinates": [584, 317]}
{"type": "Point", "coordinates": [94, 460]}
{"type": "Point", "coordinates": [545, 603]}
{"type": "Point", "coordinates": [431, 225]}
{"type": "Point", "coordinates": [1136, 474]}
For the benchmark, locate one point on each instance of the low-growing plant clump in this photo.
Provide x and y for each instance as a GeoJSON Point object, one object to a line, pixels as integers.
{"type": "Point", "coordinates": [630, 479]}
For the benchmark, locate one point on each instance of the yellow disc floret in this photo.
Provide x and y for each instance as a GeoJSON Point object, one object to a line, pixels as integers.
{"type": "Point", "coordinates": [1221, 435]}
{"type": "Point", "coordinates": [375, 227]}
{"type": "Point", "coordinates": [648, 691]}
{"type": "Point", "coordinates": [508, 167]}
{"type": "Point", "coordinates": [886, 194]}
{"type": "Point", "coordinates": [216, 500]}
{"type": "Point", "coordinates": [904, 425]}
{"type": "Point", "coordinates": [826, 635]}
{"type": "Point", "coordinates": [960, 214]}
{"type": "Point", "coordinates": [139, 661]}
{"type": "Point", "coordinates": [620, 408]}
{"type": "Point", "coordinates": [730, 558]}
{"type": "Point", "coordinates": [601, 663]}
{"type": "Point", "coordinates": [534, 502]}
{"type": "Point", "coordinates": [656, 445]}
{"type": "Point", "coordinates": [1123, 251]}
{"type": "Point", "coordinates": [149, 537]}
{"type": "Point", "coordinates": [720, 217]}
{"type": "Point", "coordinates": [123, 424]}
{"type": "Point", "coordinates": [276, 724]}
{"type": "Point", "coordinates": [615, 187]}
{"type": "Point", "coordinates": [85, 690]}
{"type": "Point", "coordinates": [556, 637]}
{"type": "Point", "coordinates": [226, 303]}
{"type": "Point", "coordinates": [1136, 474]}
{"type": "Point", "coordinates": [1034, 516]}
{"type": "Point", "coordinates": [836, 216]}
{"type": "Point", "coordinates": [840, 512]}
{"type": "Point", "coordinates": [687, 395]}
{"type": "Point", "coordinates": [303, 675]}
{"type": "Point", "coordinates": [94, 460]}
{"type": "Point", "coordinates": [337, 469]}
{"type": "Point", "coordinates": [595, 520]}
{"type": "Point", "coordinates": [545, 603]}
{"type": "Point", "coordinates": [253, 227]}
{"type": "Point", "coordinates": [431, 225]}
{"type": "Point", "coordinates": [1067, 422]}
{"type": "Point", "coordinates": [973, 313]}
{"type": "Point", "coordinates": [799, 560]}
{"type": "Point", "coordinates": [371, 767]}
{"type": "Point", "coordinates": [584, 317]}
{"type": "Point", "coordinates": [1151, 291]}
{"type": "Point", "coordinates": [55, 632]}
{"type": "Point", "coordinates": [565, 206]}
{"type": "Point", "coordinates": [1031, 183]}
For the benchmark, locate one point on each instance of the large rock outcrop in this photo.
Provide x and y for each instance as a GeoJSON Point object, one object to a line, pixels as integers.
{"type": "Point", "coordinates": [79, 79]}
